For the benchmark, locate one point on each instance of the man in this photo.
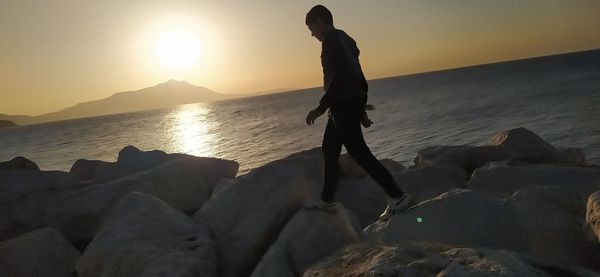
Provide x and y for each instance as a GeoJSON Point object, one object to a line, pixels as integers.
{"type": "Point", "coordinates": [345, 97]}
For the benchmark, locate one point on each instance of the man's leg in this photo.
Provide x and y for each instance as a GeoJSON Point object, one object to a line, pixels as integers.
{"type": "Point", "coordinates": [351, 135]}
{"type": "Point", "coordinates": [331, 147]}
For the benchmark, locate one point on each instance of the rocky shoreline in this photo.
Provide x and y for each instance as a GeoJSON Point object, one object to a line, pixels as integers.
{"type": "Point", "coordinates": [517, 206]}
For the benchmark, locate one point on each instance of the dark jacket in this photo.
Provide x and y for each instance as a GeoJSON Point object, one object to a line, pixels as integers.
{"type": "Point", "coordinates": [342, 75]}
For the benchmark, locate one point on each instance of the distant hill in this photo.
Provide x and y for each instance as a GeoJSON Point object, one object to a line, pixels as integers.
{"type": "Point", "coordinates": [7, 123]}
{"type": "Point", "coordinates": [170, 93]}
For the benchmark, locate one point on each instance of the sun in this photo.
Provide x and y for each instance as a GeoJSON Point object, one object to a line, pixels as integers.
{"type": "Point", "coordinates": [178, 49]}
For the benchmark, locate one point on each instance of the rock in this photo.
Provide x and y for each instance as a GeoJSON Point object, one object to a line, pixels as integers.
{"type": "Point", "coordinates": [24, 196]}
{"type": "Point", "coordinates": [88, 170]}
{"type": "Point", "coordinates": [306, 239]}
{"type": "Point", "coordinates": [312, 162]}
{"type": "Point", "coordinates": [517, 144]}
{"type": "Point", "coordinates": [458, 217]}
{"type": "Point", "coordinates": [367, 200]}
{"type": "Point", "coordinates": [571, 156]}
{"type": "Point", "coordinates": [7, 123]}
{"type": "Point", "coordinates": [246, 218]}
{"type": "Point", "coordinates": [349, 168]}
{"type": "Point", "coordinates": [185, 184]}
{"type": "Point", "coordinates": [523, 144]}
{"type": "Point", "coordinates": [428, 259]}
{"type": "Point", "coordinates": [131, 161]}
{"type": "Point", "coordinates": [222, 185]}
{"type": "Point", "coordinates": [363, 197]}
{"type": "Point", "coordinates": [561, 238]}
{"type": "Point", "coordinates": [43, 252]}
{"type": "Point", "coordinates": [19, 163]}
{"type": "Point", "coordinates": [520, 223]}
{"type": "Point", "coordinates": [426, 182]}
{"type": "Point", "coordinates": [392, 166]}
{"type": "Point", "coordinates": [142, 236]}
{"type": "Point", "coordinates": [592, 217]}
{"type": "Point", "coordinates": [464, 156]}
{"type": "Point", "coordinates": [503, 179]}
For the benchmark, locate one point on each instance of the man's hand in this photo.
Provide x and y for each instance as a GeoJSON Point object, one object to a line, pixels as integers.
{"type": "Point", "coordinates": [312, 115]}
{"type": "Point", "coordinates": [365, 121]}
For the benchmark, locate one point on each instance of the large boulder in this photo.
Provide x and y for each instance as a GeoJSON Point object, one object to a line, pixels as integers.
{"type": "Point", "coordinates": [525, 145]}
{"type": "Point", "coordinates": [517, 144]}
{"type": "Point", "coordinates": [43, 252]}
{"type": "Point", "coordinates": [457, 217]}
{"type": "Point", "coordinates": [426, 182]}
{"type": "Point", "coordinates": [246, 217]}
{"type": "Point", "coordinates": [519, 223]}
{"type": "Point", "coordinates": [306, 239]}
{"type": "Point", "coordinates": [142, 236]}
{"type": "Point", "coordinates": [19, 163]}
{"type": "Point", "coordinates": [562, 238]}
{"type": "Point", "coordinates": [131, 161]}
{"type": "Point", "coordinates": [592, 217]}
{"type": "Point", "coordinates": [88, 170]}
{"type": "Point", "coordinates": [428, 259]}
{"type": "Point", "coordinates": [571, 156]}
{"type": "Point", "coordinates": [363, 197]}
{"type": "Point", "coordinates": [311, 161]}
{"type": "Point", "coordinates": [464, 156]}
{"type": "Point", "coordinates": [23, 196]}
{"type": "Point", "coordinates": [185, 184]}
{"type": "Point", "coordinates": [503, 179]}
{"type": "Point", "coordinates": [367, 200]}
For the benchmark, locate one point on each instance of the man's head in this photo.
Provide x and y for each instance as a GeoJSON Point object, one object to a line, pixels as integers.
{"type": "Point", "coordinates": [319, 20]}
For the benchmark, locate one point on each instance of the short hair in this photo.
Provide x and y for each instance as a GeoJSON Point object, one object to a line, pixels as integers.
{"type": "Point", "coordinates": [319, 11]}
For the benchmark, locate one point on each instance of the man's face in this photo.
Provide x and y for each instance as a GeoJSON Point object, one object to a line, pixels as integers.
{"type": "Point", "coordinates": [318, 29]}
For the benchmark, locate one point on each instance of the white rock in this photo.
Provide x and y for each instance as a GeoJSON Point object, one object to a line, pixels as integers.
{"type": "Point", "coordinates": [247, 217]}
{"type": "Point", "coordinates": [142, 236]}
{"type": "Point", "coordinates": [427, 182]}
{"type": "Point", "coordinates": [24, 195]}
{"type": "Point", "coordinates": [503, 179]}
{"type": "Point", "coordinates": [467, 157]}
{"type": "Point", "coordinates": [43, 252]}
{"type": "Point", "coordinates": [184, 184]}
{"type": "Point", "coordinates": [551, 224]}
{"type": "Point", "coordinates": [458, 217]}
{"type": "Point", "coordinates": [306, 239]}
{"type": "Point", "coordinates": [367, 200]}
{"type": "Point", "coordinates": [592, 217]}
{"type": "Point", "coordinates": [523, 144]}
{"type": "Point", "coordinates": [539, 221]}
{"type": "Point", "coordinates": [427, 259]}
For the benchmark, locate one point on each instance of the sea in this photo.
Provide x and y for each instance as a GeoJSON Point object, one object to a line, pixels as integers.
{"type": "Point", "coordinates": [557, 97]}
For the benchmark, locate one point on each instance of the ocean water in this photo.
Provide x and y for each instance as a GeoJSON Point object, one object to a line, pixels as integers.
{"type": "Point", "coordinates": [557, 97]}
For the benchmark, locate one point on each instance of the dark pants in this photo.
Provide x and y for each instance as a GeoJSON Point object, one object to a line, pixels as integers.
{"type": "Point", "coordinates": [344, 128]}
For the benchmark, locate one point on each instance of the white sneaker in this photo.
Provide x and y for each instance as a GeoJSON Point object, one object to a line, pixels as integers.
{"type": "Point", "coordinates": [396, 205]}
{"type": "Point", "coordinates": [319, 204]}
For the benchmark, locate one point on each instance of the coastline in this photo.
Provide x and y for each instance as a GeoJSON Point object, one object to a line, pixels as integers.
{"type": "Point", "coordinates": [484, 203]}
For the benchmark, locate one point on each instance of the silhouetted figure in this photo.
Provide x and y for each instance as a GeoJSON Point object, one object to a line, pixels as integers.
{"type": "Point", "coordinates": [346, 97]}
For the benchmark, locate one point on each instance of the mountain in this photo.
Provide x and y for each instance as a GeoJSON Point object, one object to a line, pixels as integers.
{"type": "Point", "coordinates": [20, 119]}
{"type": "Point", "coordinates": [170, 93]}
{"type": "Point", "coordinates": [7, 123]}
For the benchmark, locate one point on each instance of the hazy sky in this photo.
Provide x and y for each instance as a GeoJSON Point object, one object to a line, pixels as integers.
{"type": "Point", "coordinates": [57, 53]}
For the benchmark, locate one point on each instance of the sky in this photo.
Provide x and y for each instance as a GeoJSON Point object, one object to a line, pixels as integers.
{"type": "Point", "coordinates": [54, 54]}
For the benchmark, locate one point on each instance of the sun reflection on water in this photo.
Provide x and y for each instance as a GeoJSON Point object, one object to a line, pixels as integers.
{"type": "Point", "coordinates": [192, 130]}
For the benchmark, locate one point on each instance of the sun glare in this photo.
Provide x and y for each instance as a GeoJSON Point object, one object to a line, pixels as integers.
{"type": "Point", "coordinates": [178, 49]}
